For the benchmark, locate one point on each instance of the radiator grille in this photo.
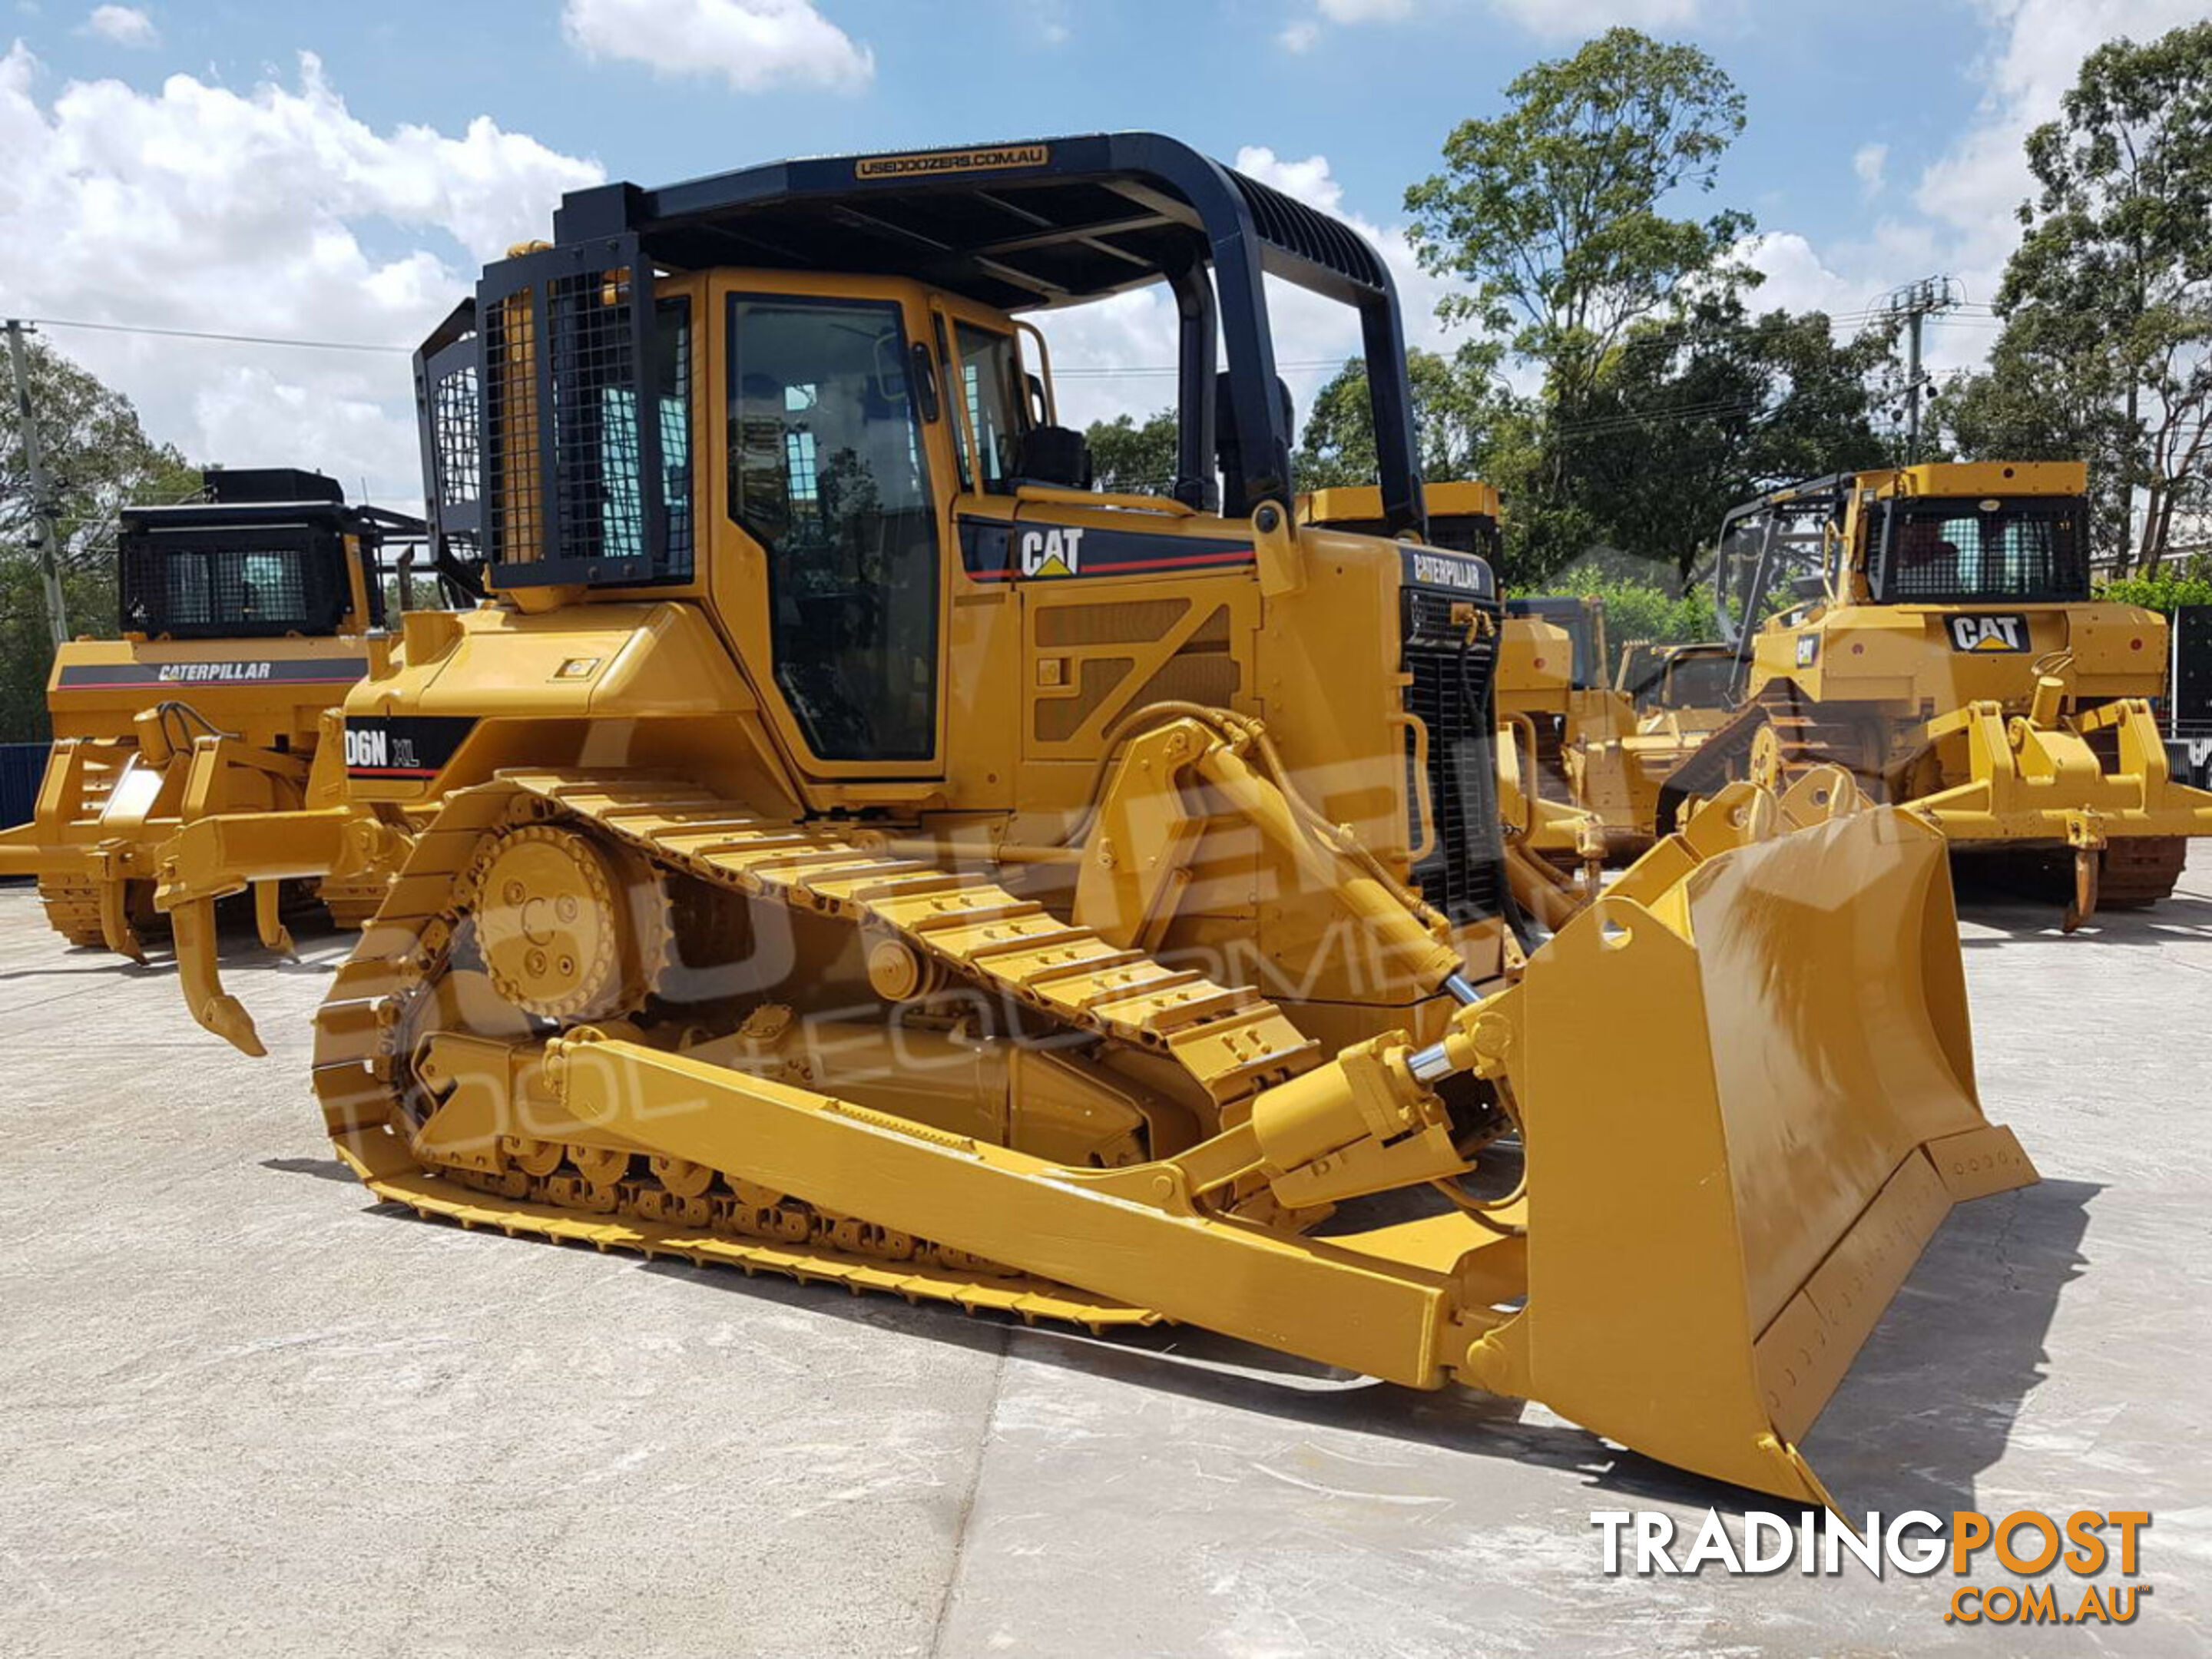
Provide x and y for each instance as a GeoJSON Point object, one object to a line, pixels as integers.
{"type": "Point", "coordinates": [595, 449]}
{"type": "Point", "coordinates": [1125, 621]}
{"type": "Point", "coordinates": [1059, 719]}
{"type": "Point", "coordinates": [2189, 704]}
{"type": "Point", "coordinates": [586, 420]}
{"type": "Point", "coordinates": [454, 430]}
{"type": "Point", "coordinates": [1450, 696]}
{"type": "Point", "coordinates": [453, 451]}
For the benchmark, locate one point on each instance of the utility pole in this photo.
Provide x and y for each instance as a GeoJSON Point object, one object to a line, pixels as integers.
{"type": "Point", "coordinates": [1912, 305]}
{"type": "Point", "coordinates": [42, 495]}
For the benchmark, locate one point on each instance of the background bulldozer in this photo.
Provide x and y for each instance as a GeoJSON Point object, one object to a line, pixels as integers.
{"type": "Point", "coordinates": [1597, 748]}
{"type": "Point", "coordinates": [1931, 630]}
{"type": "Point", "coordinates": [854, 849]}
{"type": "Point", "coordinates": [246, 617]}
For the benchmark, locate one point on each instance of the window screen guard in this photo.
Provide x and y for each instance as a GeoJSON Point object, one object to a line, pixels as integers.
{"type": "Point", "coordinates": [240, 583]}
{"type": "Point", "coordinates": [1942, 550]}
{"type": "Point", "coordinates": [575, 486]}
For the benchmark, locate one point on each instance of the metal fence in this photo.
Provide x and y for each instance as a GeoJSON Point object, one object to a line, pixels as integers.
{"type": "Point", "coordinates": [2189, 696]}
{"type": "Point", "coordinates": [21, 765]}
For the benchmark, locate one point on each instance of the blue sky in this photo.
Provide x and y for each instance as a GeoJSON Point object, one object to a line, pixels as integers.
{"type": "Point", "coordinates": [1377, 99]}
{"type": "Point", "coordinates": [184, 165]}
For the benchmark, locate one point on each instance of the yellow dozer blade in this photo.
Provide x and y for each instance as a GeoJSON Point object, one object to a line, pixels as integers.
{"type": "Point", "coordinates": [1741, 1081]}
{"type": "Point", "coordinates": [1726, 1191]}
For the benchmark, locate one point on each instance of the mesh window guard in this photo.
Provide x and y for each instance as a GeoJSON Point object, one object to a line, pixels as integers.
{"type": "Point", "coordinates": [1948, 550]}
{"type": "Point", "coordinates": [585, 413]}
{"type": "Point", "coordinates": [224, 584]}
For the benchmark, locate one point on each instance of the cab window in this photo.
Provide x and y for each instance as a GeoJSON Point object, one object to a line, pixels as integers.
{"type": "Point", "coordinates": [990, 382]}
{"type": "Point", "coordinates": [826, 473]}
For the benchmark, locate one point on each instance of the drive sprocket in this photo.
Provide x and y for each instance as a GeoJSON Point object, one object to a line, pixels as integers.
{"type": "Point", "coordinates": [570, 927]}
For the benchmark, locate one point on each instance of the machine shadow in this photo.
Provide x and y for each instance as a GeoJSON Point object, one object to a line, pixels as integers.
{"type": "Point", "coordinates": [1931, 1401]}
{"type": "Point", "coordinates": [1209, 1368]}
{"type": "Point", "coordinates": [321, 946]}
{"type": "Point", "coordinates": [2183, 916]}
{"type": "Point", "coordinates": [323, 1169]}
{"type": "Point", "coordinates": [1929, 1404]}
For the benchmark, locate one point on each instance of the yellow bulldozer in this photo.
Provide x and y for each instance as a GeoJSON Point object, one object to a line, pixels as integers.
{"type": "Point", "coordinates": [855, 848]}
{"type": "Point", "coordinates": [246, 616]}
{"type": "Point", "coordinates": [1598, 746]}
{"type": "Point", "coordinates": [1931, 629]}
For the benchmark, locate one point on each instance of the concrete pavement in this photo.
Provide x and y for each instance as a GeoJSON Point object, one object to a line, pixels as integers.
{"type": "Point", "coordinates": [246, 1411]}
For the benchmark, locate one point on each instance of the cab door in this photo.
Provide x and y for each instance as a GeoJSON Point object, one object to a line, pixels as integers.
{"type": "Point", "coordinates": [833, 452]}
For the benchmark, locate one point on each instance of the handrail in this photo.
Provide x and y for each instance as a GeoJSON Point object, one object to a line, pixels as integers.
{"type": "Point", "coordinates": [1058, 496]}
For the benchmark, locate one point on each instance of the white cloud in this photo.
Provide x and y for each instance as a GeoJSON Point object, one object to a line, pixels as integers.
{"type": "Point", "coordinates": [1302, 35]}
{"type": "Point", "coordinates": [1309, 181]}
{"type": "Point", "coordinates": [754, 44]}
{"type": "Point", "coordinates": [1976, 187]}
{"type": "Point", "coordinates": [1960, 218]}
{"type": "Point", "coordinates": [1551, 20]}
{"type": "Point", "coordinates": [1313, 336]}
{"type": "Point", "coordinates": [1049, 20]}
{"type": "Point", "coordinates": [127, 25]}
{"type": "Point", "coordinates": [1869, 161]}
{"type": "Point", "coordinates": [1796, 279]}
{"type": "Point", "coordinates": [199, 207]}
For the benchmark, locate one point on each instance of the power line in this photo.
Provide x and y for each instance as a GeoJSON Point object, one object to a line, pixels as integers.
{"type": "Point", "coordinates": [1169, 368]}
{"type": "Point", "coordinates": [1663, 337]}
{"type": "Point", "coordinates": [1667, 337]}
{"type": "Point", "coordinates": [232, 339]}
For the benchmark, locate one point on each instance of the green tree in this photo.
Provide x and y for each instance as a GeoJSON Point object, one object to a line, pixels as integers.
{"type": "Point", "coordinates": [98, 459]}
{"type": "Point", "coordinates": [1638, 610]}
{"type": "Point", "coordinates": [1691, 416]}
{"type": "Point", "coordinates": [2182, 581]}
{"type": "Point", "coordinates": [1457, 401]}
{"type": "Point", "coordinates": [1551, 212]}
{"type": "Point", "coordinates": [2029, 403]}
{"type": "Point", "coordinates": [1553, 215]}
{"type": "Point", "coordinates": [1132, 458]}
{"type": "Point", "coordinates": [2108, 300]}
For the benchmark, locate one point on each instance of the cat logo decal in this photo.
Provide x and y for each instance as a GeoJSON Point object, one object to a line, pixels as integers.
{"type": "Point", "coordinates": [2007, 631]}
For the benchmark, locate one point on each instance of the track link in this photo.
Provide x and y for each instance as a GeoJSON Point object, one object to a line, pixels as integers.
{"type": "Point", "coordinates": [72, 909]}
{"type": "Point", "coordinates": [2133, 871]}
{"type": "Point", "coordinates": [72, 902]}
{"type": "Point", "coordinates": [1802, 740]}
{"type": "Point", "coordinates": [1228, 1041]}
{"type": "Point", "coordinates": [2139, 870]}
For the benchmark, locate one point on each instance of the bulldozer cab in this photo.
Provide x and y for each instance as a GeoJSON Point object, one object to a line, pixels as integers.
{"type": "Point", "coordinates": [1940, 535]}
{"type": "Point", "coordinates": [1583, 619]}
{"type": "Point", "coordinates": [267, 552]}
{"type": "Point", "coordinates": [1694, 677]}
{"type": "Point", "coordinates": [810, 397]}
{"type": "Point", "coordinates": [1658, 677]}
